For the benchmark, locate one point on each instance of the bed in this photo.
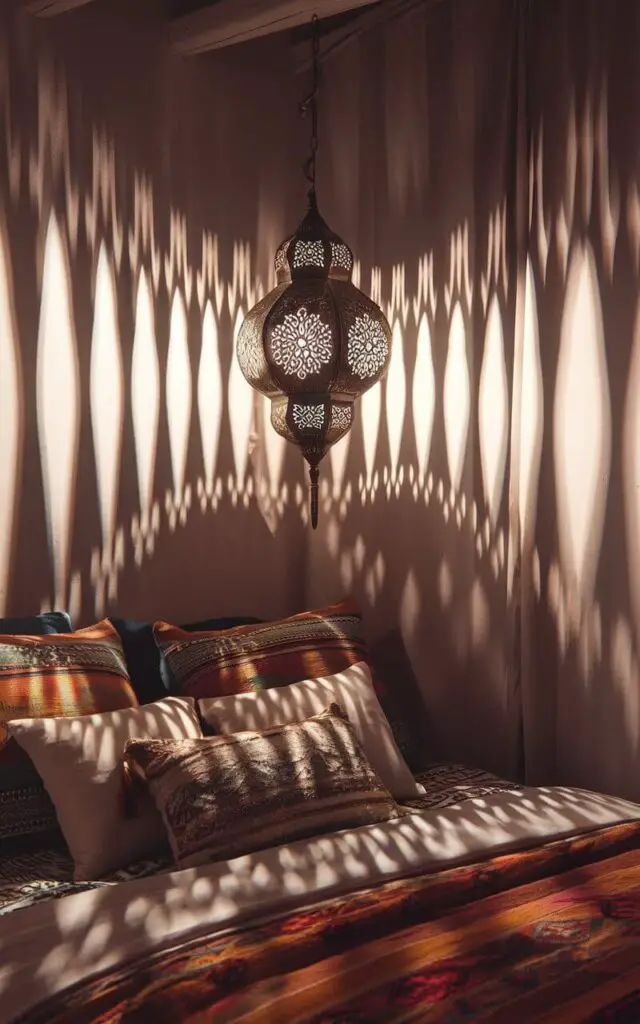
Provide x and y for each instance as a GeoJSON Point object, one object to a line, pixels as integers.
{"type": "Point", "coordinates": [485, 901]}
{"type": "Point", "coordinates": [219, 822]}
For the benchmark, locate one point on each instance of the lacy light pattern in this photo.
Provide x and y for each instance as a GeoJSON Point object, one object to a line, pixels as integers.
{"type": "Point", "coordinates": [308, 417]}
{"type": "Point", "coordinates": [341, 256]}
{"type": "Point", "coordinates": [248, 356]}
{"type": "Point", "coordinates": [279, 418]}
{"type": "Point", "coordinates": [308, 254]}
{"type": "Point", "coordinates": [341, 417]}
{"type": "Point", "coordinates": [301, 344]}
{"type": "Point", "coordinates": [280, 262]}
{"type": "Point", "coordinates": [367, 347]}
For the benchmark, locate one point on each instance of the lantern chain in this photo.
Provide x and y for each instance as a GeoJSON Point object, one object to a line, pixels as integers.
{"type": "Point", "coordinates": [310, 105]}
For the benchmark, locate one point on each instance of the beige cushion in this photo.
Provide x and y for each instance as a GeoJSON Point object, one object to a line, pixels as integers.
{"type": "Point", "coordinates": [80, 761]}
{"type": "Point", "coordinates": [223, 796]}
{"type": "Point", "coordinates": [352, 689]}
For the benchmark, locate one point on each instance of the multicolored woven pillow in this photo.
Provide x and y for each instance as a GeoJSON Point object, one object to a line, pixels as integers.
{"type": "Point", "coordinates": [50, 676]}
{"type": "Point", "coordinates": [304, 646]}
{"type": "Point", "coordinates": [147, 669]}
{"type": "Point", "coordinates": [224, 796]}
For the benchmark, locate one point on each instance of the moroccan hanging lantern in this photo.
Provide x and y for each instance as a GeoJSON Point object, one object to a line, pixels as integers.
{"type": "Point", "coordinates": [315, 343]}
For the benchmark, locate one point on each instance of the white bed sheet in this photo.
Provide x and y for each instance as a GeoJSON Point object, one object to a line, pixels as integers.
{"type": "Point", "coordinates": [52, 945]}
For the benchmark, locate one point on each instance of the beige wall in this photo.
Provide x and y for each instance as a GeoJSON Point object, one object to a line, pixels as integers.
{"type": "Point", "coordinates": [120, 164]}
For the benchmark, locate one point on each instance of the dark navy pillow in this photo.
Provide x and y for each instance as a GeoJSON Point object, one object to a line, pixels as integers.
{"type": "Point", "coordinates": [147, 670]}
{"type": "Point", "coordinates": [36, 625]}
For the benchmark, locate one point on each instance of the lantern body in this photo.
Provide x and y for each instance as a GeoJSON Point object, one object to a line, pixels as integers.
{"type": "Point", "coordinates": [315, 343]}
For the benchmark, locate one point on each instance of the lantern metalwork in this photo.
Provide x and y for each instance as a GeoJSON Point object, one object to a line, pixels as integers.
{"type": "Point", "coordinates": [315, 343]}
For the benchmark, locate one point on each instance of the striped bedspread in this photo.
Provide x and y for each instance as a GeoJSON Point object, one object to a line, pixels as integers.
{"type": "Point", "coordinates": [550, 934]}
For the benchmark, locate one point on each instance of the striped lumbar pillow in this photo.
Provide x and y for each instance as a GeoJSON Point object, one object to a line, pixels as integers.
{"type": "Point", "coordinates": [224, 796]}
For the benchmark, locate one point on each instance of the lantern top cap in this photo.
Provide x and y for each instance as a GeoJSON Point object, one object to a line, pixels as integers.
{"type": "Point", "coordinates": [314, 251]}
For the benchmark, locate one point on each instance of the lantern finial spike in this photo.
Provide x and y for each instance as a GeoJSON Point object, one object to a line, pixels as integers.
{"type": "Point", "coordinates": [314, 474]}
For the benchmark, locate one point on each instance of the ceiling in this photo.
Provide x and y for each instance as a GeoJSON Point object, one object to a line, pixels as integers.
{"type": "Point", "coordinates": [198, 26]}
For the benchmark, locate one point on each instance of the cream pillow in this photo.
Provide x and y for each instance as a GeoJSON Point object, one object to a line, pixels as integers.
{"type": "Point", "coordinates": [352, 689]}
{"type": "Point", "coordinates": [80, 761]}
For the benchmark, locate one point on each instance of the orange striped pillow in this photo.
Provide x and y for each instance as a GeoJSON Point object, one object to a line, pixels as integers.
{"type": "Point", "coordinates": [304, 646]}
{"type": "Point", "coordinates": [52, 676]}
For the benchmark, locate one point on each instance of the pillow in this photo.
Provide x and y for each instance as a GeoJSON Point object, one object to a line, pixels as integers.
{"type": "Point", "coordinates": [37, 625]}
{"type": "Point", "coordinates": [148, 674]}
{"type": "Point", "coordinates": [81, 763]}
{"type": "Point", "coordinates": [304, 646]}
{"type": "Point", "coordinates": [351, 689]}
{"type": "Point", "coordinates": [224, 796]}
{"type": "Point", "coordinates": [44, 676]}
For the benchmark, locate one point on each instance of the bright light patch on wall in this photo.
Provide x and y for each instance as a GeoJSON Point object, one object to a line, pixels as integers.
{"type": "Point", "coordinates": [493, 411]}
{"type": "Point", "coordinates": [179, 396]}
{"type": "Point", "coordinates": [531, 410]}
{"type": "Point", "coordinates": [274, 448]}
{"type": "Point", "coordinates": [338, 455]}
{"type": "Point", "coordinates": [370, 409]}
{"type": "Point", "coordinates": [424, 396]}
{"type": "Point", "coordinates": [457, 397]}
{"type": "Point", "coordinates": [396, 395]}
{"type": "Point", "coordinates": [145, 394]}
{"type": "Point", "coordinates": [106, 390]}
{"type": "Point", "coordinates": [410, 607]}
{"type": "Point", "coordinates": [11, 412]}
{"type": "Point", "coordinates": [582, 430]}
{"type": "Point", "coordinates": [58, 404]}
{"type": "Point", "coordinates": [209, 396]}
{"type": "Point", "coordinates": [240, 409]}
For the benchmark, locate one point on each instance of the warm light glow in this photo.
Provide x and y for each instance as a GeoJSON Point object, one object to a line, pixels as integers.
{"type": "Point", "coordinates": [493, 411]}
{"type": "Point", "coordinates": [396, 391]}
{"type": "Point", "coordinates": [145, 393]}
{"type": "Point", "coordinates": [531, 411]}
{"type": "Point", "coordinates": [179, 396]}
{"type": "Point", "coordinates": [241, 409]}
{"type": "Point", "coordinates": [209, 396]}
{"type": "Point", "coordinates": [58, 402]}
{"type": "Point", "coordinates": [370, 410]}
{"type": "Point", "coordinates": [457, 397]}
{"type": "Point", "coordinates": [410, 607]}
{"type": "Point", "coordinates": [424, 397]}
{"type": "Point", "coordinates": [11, 413]}
{"type": "Point", "coordinates": [338, 455]}
{"type": "Point", "coordinates": [274, 448]}
{"type": "Point", "coordinates": [106, 389]}
{"type": "Point", "coordinates": [582, 431]}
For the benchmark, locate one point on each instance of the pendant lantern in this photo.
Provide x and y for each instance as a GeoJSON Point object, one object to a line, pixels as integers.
{"type": "Point", "coordinates": [315, 343]}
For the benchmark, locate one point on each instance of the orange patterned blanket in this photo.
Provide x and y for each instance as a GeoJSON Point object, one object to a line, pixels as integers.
{"type": "Point", "coordinates": [550, 934]}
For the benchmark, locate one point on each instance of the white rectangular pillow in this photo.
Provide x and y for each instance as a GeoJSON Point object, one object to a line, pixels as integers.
{"type": "Point", "coordinates": [352, 689]}
{"type": "Point", "coordinates": [80, 762]}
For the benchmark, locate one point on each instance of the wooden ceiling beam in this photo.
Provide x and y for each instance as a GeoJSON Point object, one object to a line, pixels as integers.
{"type": "Point", "coordinates": [49, 8]}
{"type": "Point", "coordinates": [229, 22]}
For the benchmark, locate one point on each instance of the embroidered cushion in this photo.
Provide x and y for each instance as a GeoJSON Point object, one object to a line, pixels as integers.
{"type": "Point", "coordinates": [149, 676]}
{"type": "Point", "coordinates": [304, 646]}
{"type": "Point", "coordinates": [81, 761]}
{"type": "Point", "coordinates": [224, 796]}
{"type": "Point", "coordinates": [352, 689]}
{"type": "Point", "coordinates": [44, 676]}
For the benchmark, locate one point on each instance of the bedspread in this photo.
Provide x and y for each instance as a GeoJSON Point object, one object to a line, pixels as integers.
{"type": "Point", "coordinates": [30, 877]}
{"type": "Point", "coordinates": [550, 933]}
